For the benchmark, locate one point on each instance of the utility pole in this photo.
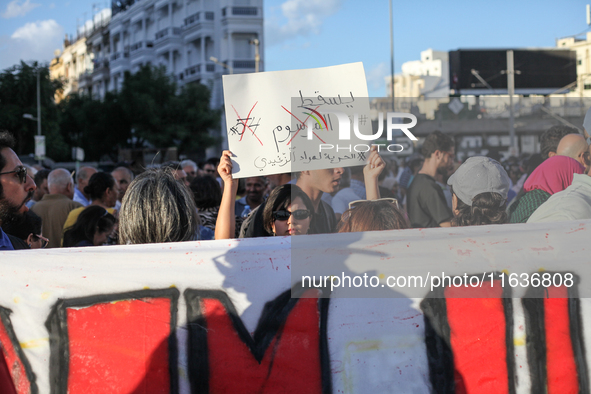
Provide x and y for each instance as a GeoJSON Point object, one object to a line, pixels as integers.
{"type": "Point", "coordinates": [511, 90]}
{"type": "Point", "coordinates": [392, 55]}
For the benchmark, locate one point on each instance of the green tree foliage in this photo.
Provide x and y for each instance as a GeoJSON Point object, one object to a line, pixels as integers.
{"type": "Point", "coordinates": [163, 116]}
{"type": "Point", "coordinates": [18, 96]}
{"type": "Point", "coordinates": [99, 127]}
{"type": "Point", "coordinates": [160, 114]}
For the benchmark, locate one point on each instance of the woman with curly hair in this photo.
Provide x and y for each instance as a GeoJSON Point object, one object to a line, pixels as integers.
{"type": "Point", "coordinates": [480, 187]}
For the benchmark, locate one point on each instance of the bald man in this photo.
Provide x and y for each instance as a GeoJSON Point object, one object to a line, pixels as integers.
{"type": "Point", "coordinates": [575, 146]}
{"type": "Point", "coordinates": [55, 206]}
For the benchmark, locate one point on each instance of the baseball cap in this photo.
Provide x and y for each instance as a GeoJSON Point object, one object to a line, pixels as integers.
{"type": "Point", "coordinates": [477, 175]}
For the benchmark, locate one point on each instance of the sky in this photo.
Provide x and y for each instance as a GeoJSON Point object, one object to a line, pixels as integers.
{"type": "Point", "coordinates": [319, 33]}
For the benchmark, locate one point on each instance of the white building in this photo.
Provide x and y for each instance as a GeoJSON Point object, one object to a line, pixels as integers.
{"type": "Point", "coordinates": [426, 78]}
{"type": "Point", "coordinates": [582, 47]}
{"type": "Point", "coordinates": [183, 35]}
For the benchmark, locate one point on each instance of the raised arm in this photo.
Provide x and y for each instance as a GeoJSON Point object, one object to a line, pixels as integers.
{"type": "Point", "coordinates": [225, 225]}
{"type": "Point", "coordinates": [372, 170]}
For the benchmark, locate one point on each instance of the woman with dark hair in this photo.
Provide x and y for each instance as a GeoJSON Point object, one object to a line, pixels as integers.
{"type": "Point", "coordinates": [552, 176]}
{"type": "Point", "coordinates": [208, 196]}
{"type": "Point", "coordinates": [103, 192]}
{"type": "Point", "coordinates": [27, 227]}
{"type": "Point", "coordinates": [480, 187]}
{"type": "Point", "coordinates": [157, 208]}
{"type": "Point", "coordinates": [288, 211]}
{"type": "Point", "coordinates": [377, 215]}
{"type": "Point", "coordinates": [92, 228]}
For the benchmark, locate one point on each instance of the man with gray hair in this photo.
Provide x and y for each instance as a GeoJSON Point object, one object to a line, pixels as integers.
{"type": "Point", "coordinates": [190, 168]}
{"type": "Point", "coordinates": [55, 206]}
{"type": "Point", "coordinates": [82, 177]}
{"type": "Point", "coordinates": [123, 176]}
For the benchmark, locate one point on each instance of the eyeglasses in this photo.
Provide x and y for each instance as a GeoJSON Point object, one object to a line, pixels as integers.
{"type": "Point", "coordinates": [355, 203]}
{"type": "Point", "coordinates": [283, 215]}
{"type": "Point", "coordinates": [44, 241]}
{"type": "Point", "coordinates": [21, 173]}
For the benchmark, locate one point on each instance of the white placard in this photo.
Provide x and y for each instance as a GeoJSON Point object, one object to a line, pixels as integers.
{"type": "Point", "coordinates": [267, 116]}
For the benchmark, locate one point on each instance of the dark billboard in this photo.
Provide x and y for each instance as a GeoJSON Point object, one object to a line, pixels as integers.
{"type": "Point", "coordinates": [538, 71]}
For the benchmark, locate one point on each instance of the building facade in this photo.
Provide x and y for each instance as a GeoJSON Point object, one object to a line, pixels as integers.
{"type": "Point", "coordinates": [73, 66]}
{"type": "Point", "coordinates": [583, 49]}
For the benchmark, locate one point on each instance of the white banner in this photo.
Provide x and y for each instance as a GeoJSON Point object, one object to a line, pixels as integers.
{"type": "Point", "coordinates": [217, 316]}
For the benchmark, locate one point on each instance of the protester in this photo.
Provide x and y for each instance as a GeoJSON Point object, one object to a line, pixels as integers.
{"type": "Point", "coordinates": [55, 207]}
{"type": "Point", "coordinates": [288, 211]}
{"type": "Point", "coordinates": [157, 208]}
{"type": "Point", "coordinates": [552, 176]}
{"type": "Point", "coordinates": [27, 228]}
{"type": "Point", "coordinates": [252, 225]}
{"type": "Point", "coordinates": [255, 195]}
{"type": "Point", "coordinates": [102, 190]}
{"type": "Point", "coordinates": [177, 171]}
{"type": "Point", "coordinates": [123, 176]}
{"type": "Point", "coordinates": [92, 228]}
{"type": "Point", "coordinates": [550, 139]}
{"type": "Point", "coordinates": [576, 147]}
{"type": "Point", "coordinates": [208, 196]}
{"type": "Point", "coordinates": [82, 178]}
{"type": "Point", "coordinates": [190, 168]}
{"type": "Point", "coordinates": [42, 189]}
{"type": "Point", "coordinates": [426, 204]}
{"type": "Point", "coordinates": [480, 187]}
{"type": "Point", "coordinates": [377, 215]}
{"type": "Point", "coordinates": [16, 187]}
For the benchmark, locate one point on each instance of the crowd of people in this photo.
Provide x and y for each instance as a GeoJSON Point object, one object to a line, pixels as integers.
{"type": "Point", "coordinates": [184, 201]}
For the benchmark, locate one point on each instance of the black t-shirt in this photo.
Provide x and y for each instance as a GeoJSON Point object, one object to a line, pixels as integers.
{"type": "Point", "coordinates": [425, 203]}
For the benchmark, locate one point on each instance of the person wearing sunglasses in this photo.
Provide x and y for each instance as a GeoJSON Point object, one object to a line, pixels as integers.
{"type": "Point", "coordinates": [16, 187]}
{"type": "Point", "coordinates": [288, 211]}
{"type": "Point", "coordinates": [27, 230]}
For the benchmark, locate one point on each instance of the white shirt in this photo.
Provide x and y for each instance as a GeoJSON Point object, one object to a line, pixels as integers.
{"type": "Point", "coordinates": [573, 203]}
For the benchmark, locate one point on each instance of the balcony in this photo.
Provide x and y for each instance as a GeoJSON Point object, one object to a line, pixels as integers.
{"type": "Point", "coordinates": [168, 39]}
{"type": "Point", "coordinates": [198, 25]}
{"type": "Point", "coordinates": [197, 72]}
{"type": "Point", "coordinates": [239, 11]}
{"type": "Point", "coordinates": [119, 61]}
{"type": "Point", "coordinates": [243, 64]}
{"type": "Point", "coordinates": [141, 52]}
{"type": "Point", "coordinates": [101, 69]}
{"type": "Point", "coordinates": [85, 79]}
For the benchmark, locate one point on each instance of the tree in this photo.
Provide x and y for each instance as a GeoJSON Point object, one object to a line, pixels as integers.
{"type": "Point", "coordinates": [99, 127]}
{"type": "Point", "coordinates": [18, 96]}
{"type": "Point", "coordinates": [162, 117]}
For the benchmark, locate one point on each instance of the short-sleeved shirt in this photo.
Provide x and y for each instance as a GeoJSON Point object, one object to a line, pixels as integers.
{"type": "Point", "coordinates": [425, 202]}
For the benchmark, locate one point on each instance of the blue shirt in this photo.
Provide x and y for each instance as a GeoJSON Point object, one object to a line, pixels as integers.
{"type": "Point", "coordinates": [5, 243]}
{"type": "Point", "coordinates": [79, 197]}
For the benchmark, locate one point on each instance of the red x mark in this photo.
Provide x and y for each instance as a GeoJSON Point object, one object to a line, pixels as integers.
{"type": "Point", "coordinates": [244, 123]}
{"type": "Point", "coordinates": [304, 123]}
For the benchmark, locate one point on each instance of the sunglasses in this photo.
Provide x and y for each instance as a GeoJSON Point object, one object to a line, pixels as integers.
{"type": "Point", "coordinates": [21, 173]}
{"type": "Point", "coordinates": [283, 215]}
{"type": "Point", "coordinates": [44, 241]}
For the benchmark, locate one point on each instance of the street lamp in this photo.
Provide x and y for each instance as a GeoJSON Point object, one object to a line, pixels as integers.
{"type": "Point", "coordinates": [216, 61]}
{"type": "Point", "coordinates": [257, 57]}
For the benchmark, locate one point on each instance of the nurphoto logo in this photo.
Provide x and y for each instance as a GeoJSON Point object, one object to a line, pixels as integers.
{"type": "Point", "coordinates": [345, 131]}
